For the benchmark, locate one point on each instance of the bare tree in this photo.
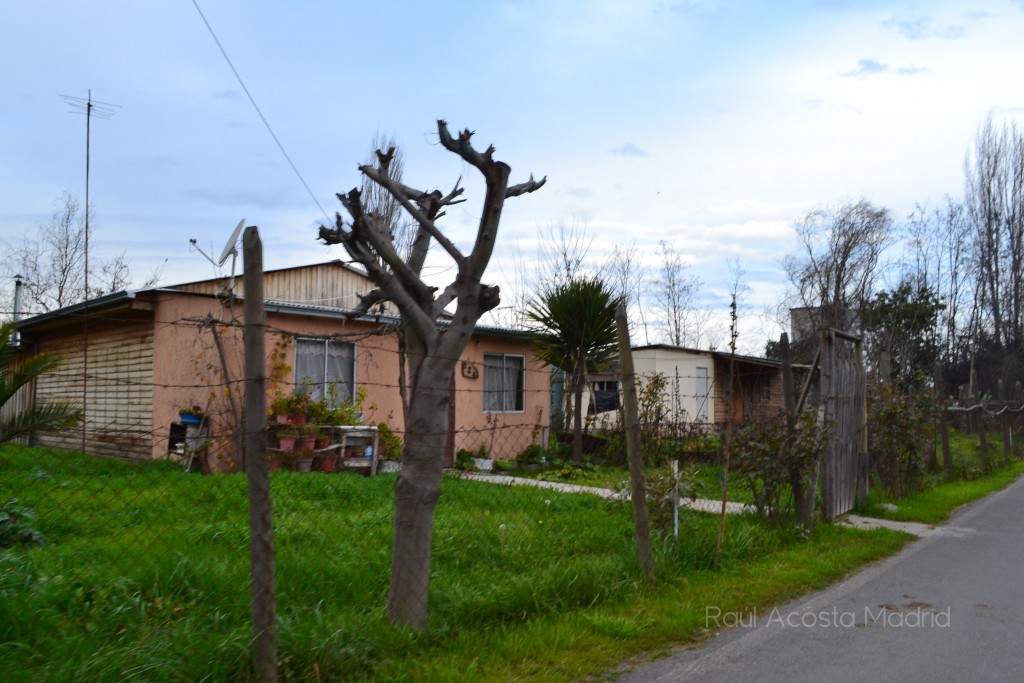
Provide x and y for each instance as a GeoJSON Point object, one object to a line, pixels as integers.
{"type": "Point", "coordinates": [560, 257]}
{"type": "Point", "coordinates": [626, 274]}
{"type": "Point", "coordinates": [674, 293]}
{"type": "Point", "coordinates": [838, 260]}
{"type": "Point", "coordinates": [379, 200]}
{"type": "Point", "coordinates": [562, 253]}
{"type": "Point", "coordinates": [940, 260]}
{"type": "Point", "coordinates": [432, 349]}
{"type": "Point", "coordinates": [995, 204]}
{"type": "Point", "coordinates": [52, 265]}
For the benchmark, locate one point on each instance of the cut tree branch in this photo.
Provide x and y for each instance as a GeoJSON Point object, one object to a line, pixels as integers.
{"type": "Point", "coordinates": [430, 201]}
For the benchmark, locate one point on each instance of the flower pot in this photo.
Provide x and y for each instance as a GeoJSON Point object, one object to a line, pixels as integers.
{"type": "Point", "coordinates": [323, 442]}
{"type": "Point", "coordinates": [329, 464]}
{"type": "Point", "coordinates": [286, 443]}
{"type": "Point", "coordinates": [305, 443]}
{"type": "Point", "coordinates": [281, 418]}
{"type": "Point", "coordinates": [304, 465]}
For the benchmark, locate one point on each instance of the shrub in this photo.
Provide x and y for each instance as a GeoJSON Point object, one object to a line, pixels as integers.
{"type": "Point", "coordinates": [464, 460]}
{"type": "Point", "coordinates": [390, 443]}
{"type": "Point", "coordinates": [765, 456]}
{"type": "Point", "coordinates": [900, 435]}
{"type": "Point", "coordinates": [531, 455]}
{"type": "Point", "coordinates": [660, 486]}
{"type": "Point", "coordinates": [16, 526]}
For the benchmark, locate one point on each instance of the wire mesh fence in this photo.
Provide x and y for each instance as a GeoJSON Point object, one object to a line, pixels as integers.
{"type": "Point", "coordinates": [137, 567]}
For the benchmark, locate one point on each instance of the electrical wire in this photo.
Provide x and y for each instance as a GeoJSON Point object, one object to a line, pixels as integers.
{"type": "Point", "coordinates": [258, 111]}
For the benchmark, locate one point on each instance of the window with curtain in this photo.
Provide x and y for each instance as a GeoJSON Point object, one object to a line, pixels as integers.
{"type": "Point", "coordinates": [326, 368]}
{"type": "Point", "coordinates": [504, 383]}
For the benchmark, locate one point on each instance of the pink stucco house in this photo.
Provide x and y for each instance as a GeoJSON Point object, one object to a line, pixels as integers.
{"type": "Point", "coordinates": [136, 358]}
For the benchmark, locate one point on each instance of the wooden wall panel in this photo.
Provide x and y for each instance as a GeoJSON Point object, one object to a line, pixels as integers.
{"type": "Point", "coordinates": [118, 390]}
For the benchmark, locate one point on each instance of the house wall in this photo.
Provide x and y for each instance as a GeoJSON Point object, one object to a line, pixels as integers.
{"type": "Point", "coordinates": [504, 434]}
{"type": "Point", "coordinates": [680, 370]}
{"type": "Point", "coordinates": [159, 353]}
{"type": "Point", "coordinates": [326, 284]}
{"type": "Point", "coordinates": [751, 402]}
{"type": "Point", "coordinates": [189, 372]}
{"type": "Point", "coordinates": [119, 390]}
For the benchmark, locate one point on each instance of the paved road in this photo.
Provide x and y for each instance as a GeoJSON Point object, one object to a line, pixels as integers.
{"type": "Point", "coordinates": [949, 607]}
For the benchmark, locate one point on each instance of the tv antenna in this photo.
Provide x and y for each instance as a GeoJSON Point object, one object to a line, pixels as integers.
{"type": "Point", "coordinates": [103, 110]}
{"type": "Point", "coordinates": [230, 249]}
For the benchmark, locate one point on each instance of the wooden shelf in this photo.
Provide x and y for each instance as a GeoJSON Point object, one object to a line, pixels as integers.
{"type": "Point", "coordinates": [346, 436]}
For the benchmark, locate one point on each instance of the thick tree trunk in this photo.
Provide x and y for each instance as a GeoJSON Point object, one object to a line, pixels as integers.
{"type": "Point", "coordinates": [417, 492]}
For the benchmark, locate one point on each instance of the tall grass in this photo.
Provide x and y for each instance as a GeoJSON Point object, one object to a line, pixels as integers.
{"type": "Point", "coordinates": [144, 573]}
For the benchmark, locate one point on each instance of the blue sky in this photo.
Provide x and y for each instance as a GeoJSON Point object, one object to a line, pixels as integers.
{"type": "Point", "coordinates": [711, 125]}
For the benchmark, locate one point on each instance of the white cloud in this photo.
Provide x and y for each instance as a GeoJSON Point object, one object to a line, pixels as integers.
{"type": "Point", "coordinates": [629, 150]}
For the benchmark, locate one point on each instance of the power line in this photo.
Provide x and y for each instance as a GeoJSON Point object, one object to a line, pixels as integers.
{"type": "Point", "coordinates": [258, 111]}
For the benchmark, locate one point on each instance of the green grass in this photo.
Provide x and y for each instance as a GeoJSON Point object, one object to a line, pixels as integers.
{"type": "Point", "coordinates": [935, 505]}
{"type": "Point", "coordinates": [144, 576]}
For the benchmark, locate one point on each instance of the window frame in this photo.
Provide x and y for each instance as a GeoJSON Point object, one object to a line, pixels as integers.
{"type": "Point", "coordinates": [319, 388]}
{"type": "Point", "coordinates": [520, 393]}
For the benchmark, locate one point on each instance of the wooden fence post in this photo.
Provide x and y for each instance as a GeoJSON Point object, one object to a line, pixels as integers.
{"type": "Point", "coordinates": [631, 420]}
{"type": "Point", "coordinates": [1004, 420]}
{"type": "Point", "coordinates": [257, 466]}
{"type": "Point", "coordinates": [796, 477]}
{"type": "Point", "coordinates": [940, 393]}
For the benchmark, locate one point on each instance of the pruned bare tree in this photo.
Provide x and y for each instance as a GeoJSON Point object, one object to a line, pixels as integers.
{"type": "Point", "coordinates": [432, 349]}
{"type": "Point", "coordinates": [838, 260]}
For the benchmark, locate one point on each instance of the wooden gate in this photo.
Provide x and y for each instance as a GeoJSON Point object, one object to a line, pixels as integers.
{"type": "Point", "coordinates": [844, 461]}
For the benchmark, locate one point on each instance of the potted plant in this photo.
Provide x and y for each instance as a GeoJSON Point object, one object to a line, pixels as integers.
{"type": "Point", "coordinates": [306, 440]}
{"type": "Point", "coordinates": [291, 408]}
{"type": "Point", "coordinates": [286, 440]}
{"type": "Point", "coordinates": [304, 461]}
{"type": "Point", "coordinates": [279, 409]}
{"type": "Point", "coordinates": [323, 438]}
{"type": "Point", "coordinates": [191, 415]}
{"type": "Point", "coordinates": [328, 461]}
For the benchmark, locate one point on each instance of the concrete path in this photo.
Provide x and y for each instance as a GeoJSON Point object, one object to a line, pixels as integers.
{"type": "Point", "coordinates": [701, 504]}
{"type": "Point", "coordinates": [948, 607]}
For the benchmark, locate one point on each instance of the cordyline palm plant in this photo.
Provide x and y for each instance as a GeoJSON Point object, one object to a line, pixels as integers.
{"type": "Point", "coordinates": [53, 415]}
{"type": "Point", "coordinates": [574, 329]}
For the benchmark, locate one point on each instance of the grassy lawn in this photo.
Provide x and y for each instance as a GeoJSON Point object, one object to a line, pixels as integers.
{"type": "Point", "coordinates": [935, 505]}
{"type": "Point", "coordinates": [144, 576]}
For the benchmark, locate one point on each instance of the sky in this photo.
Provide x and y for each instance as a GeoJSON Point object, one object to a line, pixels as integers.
{"type": "Point", "coordinates": [712, 126]}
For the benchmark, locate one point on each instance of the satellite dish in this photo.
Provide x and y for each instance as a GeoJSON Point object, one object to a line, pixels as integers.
{"type": "Point", "coordinates": [230, 249]}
